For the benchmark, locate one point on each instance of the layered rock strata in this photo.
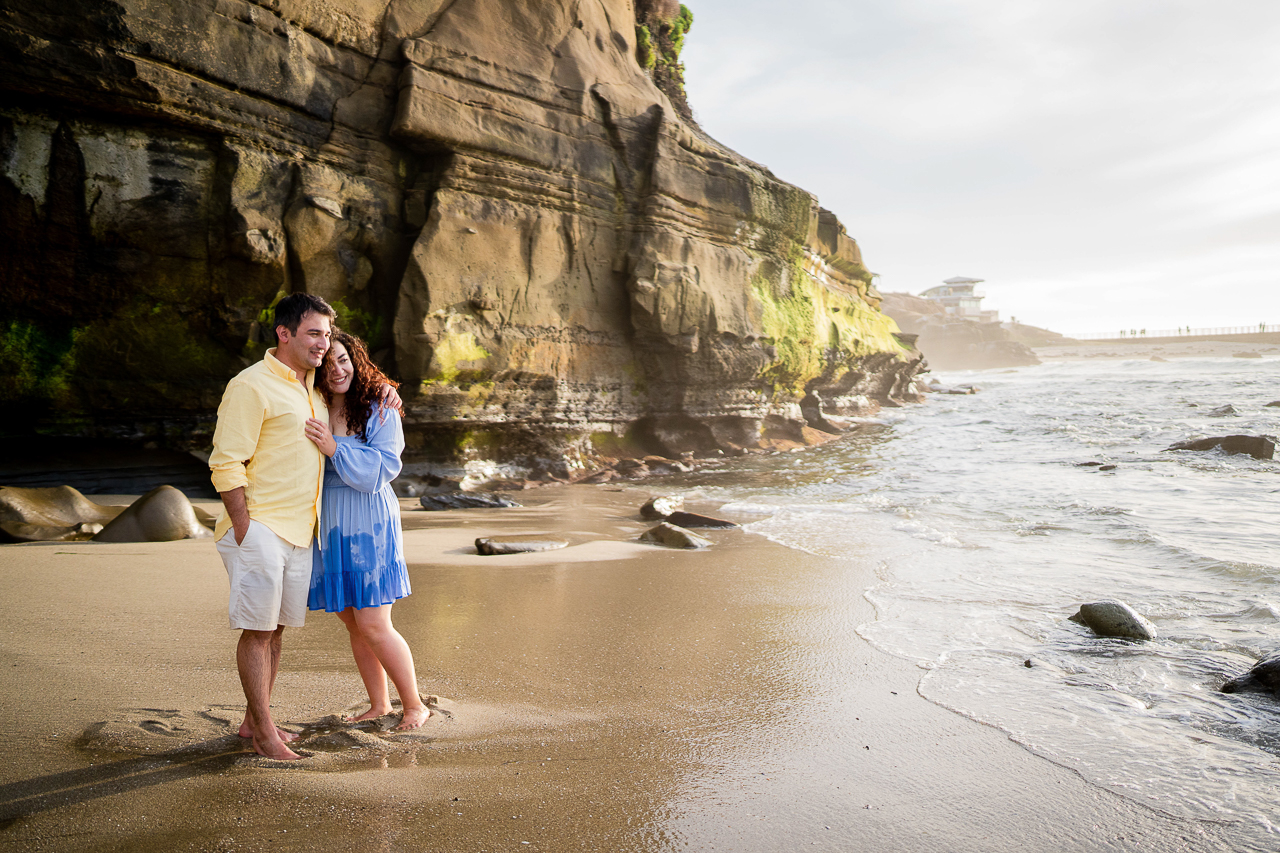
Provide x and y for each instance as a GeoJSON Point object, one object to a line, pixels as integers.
{"type": "Point", "coordinates": [495, 195]}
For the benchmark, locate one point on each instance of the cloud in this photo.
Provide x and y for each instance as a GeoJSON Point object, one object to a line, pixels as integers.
{"type": "Point", "coordinates": [1129, 146]}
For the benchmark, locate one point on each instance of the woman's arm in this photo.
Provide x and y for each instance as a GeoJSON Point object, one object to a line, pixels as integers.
{"type": "Point", "coordinates": [369, 465]}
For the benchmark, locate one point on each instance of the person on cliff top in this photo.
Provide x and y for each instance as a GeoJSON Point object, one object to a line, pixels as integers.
{"type": "Point", "coordinates": [269, 476]}
{"type": "Point", "coordinates": [358, 566]}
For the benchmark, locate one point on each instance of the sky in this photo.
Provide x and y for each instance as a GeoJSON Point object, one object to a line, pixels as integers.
{"type": "Point", "coordinates": [1101, 164]}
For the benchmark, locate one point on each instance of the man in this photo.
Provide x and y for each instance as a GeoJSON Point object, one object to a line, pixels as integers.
{"type": "Point", "coordinates": [269, 475]}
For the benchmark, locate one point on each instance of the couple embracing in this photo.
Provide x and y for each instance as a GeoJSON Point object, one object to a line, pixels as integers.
{"type": "Point", "coordinates": [306, 445]}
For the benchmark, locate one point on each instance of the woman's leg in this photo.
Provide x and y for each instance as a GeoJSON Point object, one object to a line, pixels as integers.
{"type": "Point", "coordinates": [371, 671]}
{"type": "Point", "coordinates": [374, 625]}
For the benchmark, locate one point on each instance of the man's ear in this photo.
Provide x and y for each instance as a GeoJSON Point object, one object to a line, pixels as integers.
{"type": "Point", "coordinates": [282, 334]}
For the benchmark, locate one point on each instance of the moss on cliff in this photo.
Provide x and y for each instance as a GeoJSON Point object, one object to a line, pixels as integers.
{"type": "Point", "coordinates": [36, 364]}
{"type": "Point", "coordinates": [449, 354]}
{"type": "Point", "coordinates": [816, 330]}
{"type": "Point", "coordinates": [660, 30]}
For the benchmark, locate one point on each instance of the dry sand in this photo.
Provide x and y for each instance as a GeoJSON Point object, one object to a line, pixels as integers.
{"type": "Point", "coordinates": [608, 696]}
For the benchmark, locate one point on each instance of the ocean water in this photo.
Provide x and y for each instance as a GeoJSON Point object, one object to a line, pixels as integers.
{"type": "Point", "coordinates": [988, 533]}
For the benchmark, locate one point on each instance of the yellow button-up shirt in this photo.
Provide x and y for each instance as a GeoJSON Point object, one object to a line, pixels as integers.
{"type": "Point", "coordinates": [259, 444]}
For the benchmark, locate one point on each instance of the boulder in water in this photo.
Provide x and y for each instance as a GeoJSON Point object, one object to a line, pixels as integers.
{"type": "Point", "coordinates": [674, 537]}
{"type": "Point", "coordinates": [661, 507]}
{"type": "Point", "coordinates": [464, 500]}
{"type": "Point", "coordinates": [161, 515]}
{"type": "Point", "coordinates": [493, 545]}
{"type": "Point", "coordinates": [1263, 677]}
{"type": "Point", "coordinates": [1227, 411]}
{"type": "Point", "coordinates": [1111, 618]}
{"type": "Point", "coordinates": [1257, 446]}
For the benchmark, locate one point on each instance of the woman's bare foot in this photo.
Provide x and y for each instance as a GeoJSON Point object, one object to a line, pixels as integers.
{"type": "Point", "coordinates": [413, 718]}
{"type": "Point", "coordinates": [371, 714]}
{"type": "Point", "coordinates": [246, 730]}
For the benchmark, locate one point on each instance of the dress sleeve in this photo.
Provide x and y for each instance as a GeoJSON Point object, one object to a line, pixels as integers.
{"type": "Point", "coordinates": [367, 467]}
{"type": "Point", "coordinates": [235, 438]}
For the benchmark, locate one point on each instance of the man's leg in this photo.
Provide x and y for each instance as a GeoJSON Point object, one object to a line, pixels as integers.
{"type": "Point", "coordinates": [254, 654]}
{"type": "Point", "coordinates": [246, 727]}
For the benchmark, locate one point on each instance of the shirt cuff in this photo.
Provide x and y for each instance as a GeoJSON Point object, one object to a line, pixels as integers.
{"type": "Point", "coordinates": [229, 479]}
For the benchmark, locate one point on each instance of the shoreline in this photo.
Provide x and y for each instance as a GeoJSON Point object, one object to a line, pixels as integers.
{"type": "Point", "coordinates": [608, 695]}
{"type": "Point", "coordinates": [1167, 349]}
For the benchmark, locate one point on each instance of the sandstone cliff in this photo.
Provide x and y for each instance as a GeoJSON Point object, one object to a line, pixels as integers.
{"type": "Point", "coordinates": [496, 195]}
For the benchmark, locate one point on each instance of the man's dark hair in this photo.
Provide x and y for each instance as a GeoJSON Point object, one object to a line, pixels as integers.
{"type": "Point", "coordinates": [295, 306]}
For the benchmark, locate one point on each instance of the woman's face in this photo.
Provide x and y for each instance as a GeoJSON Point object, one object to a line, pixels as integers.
{"type": "Point", "coordinates": [339, 369]}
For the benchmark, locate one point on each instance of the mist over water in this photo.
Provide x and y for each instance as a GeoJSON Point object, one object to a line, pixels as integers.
{"type": "Point", "coordinates": [988, 534]}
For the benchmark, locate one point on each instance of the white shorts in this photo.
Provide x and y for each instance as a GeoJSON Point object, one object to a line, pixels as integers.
{"type": "Point", "coordinates": [270, 579]}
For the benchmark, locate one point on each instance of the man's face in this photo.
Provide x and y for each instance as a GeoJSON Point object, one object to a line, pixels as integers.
{"type": "Point", "coordinates": [304, 349]}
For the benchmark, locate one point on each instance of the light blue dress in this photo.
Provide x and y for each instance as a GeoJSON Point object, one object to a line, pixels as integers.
{"type": "Point", "coordinates": [358, 556]}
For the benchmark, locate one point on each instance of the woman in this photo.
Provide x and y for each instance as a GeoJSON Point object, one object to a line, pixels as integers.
{"type": "Point", "coordinates": [358, 567]}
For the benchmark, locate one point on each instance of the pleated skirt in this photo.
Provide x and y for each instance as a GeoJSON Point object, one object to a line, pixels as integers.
{"type": "Point", "coordinates": [358, 557]}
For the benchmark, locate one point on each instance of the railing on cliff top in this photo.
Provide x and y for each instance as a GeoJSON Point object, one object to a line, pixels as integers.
{"type": "Point", "coordinates": [1185, 332]}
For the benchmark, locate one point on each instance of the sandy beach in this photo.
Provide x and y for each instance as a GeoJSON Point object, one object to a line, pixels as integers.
{"type": "Point", "coordinates": [1165, 349]}
{"type": "Point", "coordinates": [608, 696]}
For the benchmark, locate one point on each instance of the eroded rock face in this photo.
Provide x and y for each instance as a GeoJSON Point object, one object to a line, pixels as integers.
{"type": "Point", "coordinates": [495, 195]}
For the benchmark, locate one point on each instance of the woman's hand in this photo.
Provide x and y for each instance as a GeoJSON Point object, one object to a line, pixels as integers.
{"type": "Point", "coordinates": [318, 432]}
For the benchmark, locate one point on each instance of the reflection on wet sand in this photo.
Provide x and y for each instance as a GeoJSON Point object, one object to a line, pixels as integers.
{"type": "Point", "coordinates": [608, 695]}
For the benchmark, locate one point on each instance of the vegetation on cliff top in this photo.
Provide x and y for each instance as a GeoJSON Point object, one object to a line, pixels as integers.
{"type": "Point", "coordinates": [661, 26]}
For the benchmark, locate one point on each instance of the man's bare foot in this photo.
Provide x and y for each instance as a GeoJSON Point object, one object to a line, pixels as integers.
{"type": "Point", "coordinates": [276, 751]}
{"type": "Point", "coordinates": [413, 718]}
{"type": "Point", "coordinates": [371, 714]}
{"type": "Point", "coordinates": [246, 730]}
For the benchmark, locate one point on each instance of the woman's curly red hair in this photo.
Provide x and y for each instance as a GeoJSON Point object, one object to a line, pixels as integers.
{"type": "Point", "coordinates": [366, 382]}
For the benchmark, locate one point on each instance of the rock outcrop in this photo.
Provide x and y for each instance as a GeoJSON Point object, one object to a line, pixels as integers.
{"type": "Point", "coordinates": [954, 343]}
{"type": "Point", "coordinates": [495, 195]}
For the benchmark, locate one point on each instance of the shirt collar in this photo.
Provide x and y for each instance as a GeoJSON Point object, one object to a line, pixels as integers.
{"type": "Point", "coordinates": [279, 368]}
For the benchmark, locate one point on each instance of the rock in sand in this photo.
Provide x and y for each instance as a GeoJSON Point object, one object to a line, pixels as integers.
{"type": "Point", "coordinates": [692, 519]}
{"type": "Point", "coordinates": [494, 545]}
{"type": "Point", "coordinates": [674, 537]}
{"type": "Point", "coordinates": [161, 515]}
{"type": "Point", "coordinates": [1111, 618]}
{"type": "Point", "coordinates": [45, 514]}
{"type": "Point", "coordinates": [464, 500]}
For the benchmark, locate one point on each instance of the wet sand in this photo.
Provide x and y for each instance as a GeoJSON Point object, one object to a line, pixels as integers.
{"type": "Point", "coordinates": [608, 696]}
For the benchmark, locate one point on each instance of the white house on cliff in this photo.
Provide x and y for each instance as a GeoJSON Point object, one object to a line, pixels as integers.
{"type": "Point", "coordinates": [960, 300]}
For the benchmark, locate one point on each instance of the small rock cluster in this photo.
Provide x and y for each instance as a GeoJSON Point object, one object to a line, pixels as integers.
{"type": "Point", "coordinates": [673, 530]}
{"type": "Point", "coordinates": [638, 469]}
